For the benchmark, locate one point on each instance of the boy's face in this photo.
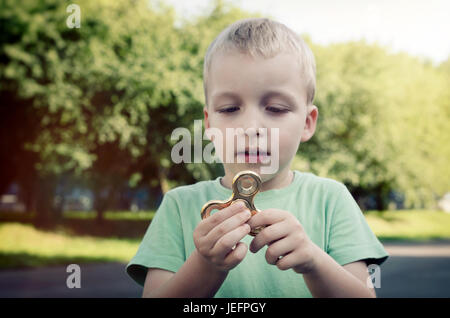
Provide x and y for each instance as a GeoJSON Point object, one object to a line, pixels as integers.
{"type": "Point", "coordinates": [246, 92]}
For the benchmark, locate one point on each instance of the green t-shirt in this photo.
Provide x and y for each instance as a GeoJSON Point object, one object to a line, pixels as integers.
{"type": "Point", "coordinates": [324, 207]}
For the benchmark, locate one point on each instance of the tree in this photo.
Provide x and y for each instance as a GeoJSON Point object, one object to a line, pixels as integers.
{"type": "Point", "coordinates": [382, 120]}
{"type": "Point", "coordinates": [106, 96]}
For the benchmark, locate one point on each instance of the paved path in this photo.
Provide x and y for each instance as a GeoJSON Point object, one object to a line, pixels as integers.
{"type": "Point", "coordinates": [405, 276]}
{"type": "Point", "coordinates": [413, 270]}
{"type": "Point", "coordinates": [416, 270]}
{"type": "Point", "coordinates": [97, 280]}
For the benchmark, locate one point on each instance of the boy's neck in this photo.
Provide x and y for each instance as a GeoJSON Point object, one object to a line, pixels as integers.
{"type": "Point", "coordinates": [280, 180]}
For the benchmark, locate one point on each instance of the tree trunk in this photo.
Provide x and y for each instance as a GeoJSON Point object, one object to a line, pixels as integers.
{"type": "Point", "coordinates": [100, 218]}
{"type": "Point", "coordinates": [28, 188]}
{"type": "Point", "coordinates": [380, 197]}
{"type": "Point", "coordinates": [100, 197]}
{"type": "Point", "coordinates": [105, 197]}
{"type": "Point", "coordinates": [45, 191]}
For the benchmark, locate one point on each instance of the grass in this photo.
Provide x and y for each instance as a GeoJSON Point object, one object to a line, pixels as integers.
{"type": "Point", "coordinates": [21, 245]}
{"type": "Point", "coordinates": [409, 225]}
{"type": "Point", "coordinates": [78, 239]}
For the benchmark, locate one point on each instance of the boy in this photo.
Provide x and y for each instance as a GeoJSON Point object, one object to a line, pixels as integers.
{"type": "Point", "coordinates": [259, 74]}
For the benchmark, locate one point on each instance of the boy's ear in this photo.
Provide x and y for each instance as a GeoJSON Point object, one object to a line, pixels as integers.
{"type": "Point", "coordinates": [206, 119]}
{"type": "Point", "coordinates": [312, 113]}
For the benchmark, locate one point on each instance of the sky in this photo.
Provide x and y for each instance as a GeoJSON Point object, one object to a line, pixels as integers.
{"type": "Point", "coordinates": [419, 27]}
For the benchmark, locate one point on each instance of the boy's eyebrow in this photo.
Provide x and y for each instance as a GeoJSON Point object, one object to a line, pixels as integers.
{"type": "Point", "coordinates": [224, 94]}
{"type": "Point", "coordinates": [285, 95]}
{"type": "Point", "coordinates": [273, 93]}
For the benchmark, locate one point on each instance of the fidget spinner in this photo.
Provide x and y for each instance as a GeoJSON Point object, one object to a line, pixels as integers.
{"type": "Point", "coordinates": [246, 184]}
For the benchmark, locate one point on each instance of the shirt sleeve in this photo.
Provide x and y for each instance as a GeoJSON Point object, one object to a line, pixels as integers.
{"type": "Point", "coordinates": [163, 244]}
{"type": "Point", "coordinates": [350, 237]}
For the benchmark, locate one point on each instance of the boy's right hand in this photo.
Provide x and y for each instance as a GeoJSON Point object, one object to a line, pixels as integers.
{"type": "Point", "coordinates": [217, 237]}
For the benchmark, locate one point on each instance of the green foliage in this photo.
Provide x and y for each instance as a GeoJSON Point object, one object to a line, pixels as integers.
{"type": "Point", "coordinates": [383, 122]}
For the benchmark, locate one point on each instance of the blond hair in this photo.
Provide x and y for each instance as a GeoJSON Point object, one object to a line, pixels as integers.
{"type": "Point", "coordinates": [264, 38]}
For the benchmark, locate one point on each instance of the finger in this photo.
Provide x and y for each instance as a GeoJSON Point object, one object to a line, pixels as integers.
{"type": "Point", "coordinates": [236, 255]}
{"type": "Point", "coordinates": [267, 217]}
{"type": "Point", "coordinates": [227, 242]}
{"type": "Point", "coordinates": [278, 249]}
{"type": "Point", "coordinates": [226, 226]}
{"type": "Point", "coordinates": [269, 234]}
{"type": "Point", "coordinates": [206, 225]}
{"type": "Point", "coordinates": [288, 261]}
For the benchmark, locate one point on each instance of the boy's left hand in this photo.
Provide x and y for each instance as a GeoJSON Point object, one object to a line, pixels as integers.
{"type": "Point", "coordinates": [285, 238]}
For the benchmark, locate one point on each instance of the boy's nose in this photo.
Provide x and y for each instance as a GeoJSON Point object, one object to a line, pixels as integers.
{"type": "Point", "coordinates": [252, 123]}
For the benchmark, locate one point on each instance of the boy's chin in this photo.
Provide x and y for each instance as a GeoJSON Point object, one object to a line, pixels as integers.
{"type": "Point", "coordinates": [267, 177]}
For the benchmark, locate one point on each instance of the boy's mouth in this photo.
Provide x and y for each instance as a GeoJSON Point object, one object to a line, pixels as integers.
{"type": "Point", "coordinates": [253, 155]}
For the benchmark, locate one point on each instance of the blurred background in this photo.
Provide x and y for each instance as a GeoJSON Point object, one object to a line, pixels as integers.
{"type": "Point", "coordinates": [88, 104]}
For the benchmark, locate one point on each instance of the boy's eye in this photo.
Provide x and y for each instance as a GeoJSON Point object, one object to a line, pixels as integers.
{"type": "Point", "coordinates": [229, 109]}
{"type": "Point", "coordinates": [277, 110]}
